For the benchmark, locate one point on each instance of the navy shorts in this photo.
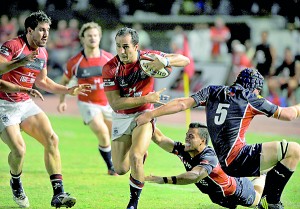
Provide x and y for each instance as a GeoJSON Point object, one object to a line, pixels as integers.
{"type": "Point", "coordinates": [244, 195]}
{"type": "Point", "coordinates": [247, 162]}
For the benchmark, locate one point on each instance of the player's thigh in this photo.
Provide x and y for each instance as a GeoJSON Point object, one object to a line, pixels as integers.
{"type": "Point", "coordinates": [108, 123]}
{"type": "Point", "coordinates": [269, 155]}
{"type": "Point", "coordinates": [12, 136]}
{"type": "Point", "coordinates": [98, 126]}
{"type": "Point", "coordinates": [141, 138]}
{"type": "Point", "coordinates": [120, 150]}
{"type": "Point", "coordinates": [39, 127]}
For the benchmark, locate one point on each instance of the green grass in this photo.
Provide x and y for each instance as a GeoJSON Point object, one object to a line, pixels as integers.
{"type": "Point", "coordinates": [85, 176]}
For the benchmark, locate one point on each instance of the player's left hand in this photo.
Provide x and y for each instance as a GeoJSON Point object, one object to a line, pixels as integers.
{"type": "Point", "coordinates": [143, 118]}
{"type": "Point", "coordinates": [155, 65]}
{"type": "Point", "coordinates": [154, 179]}
{"type": "Point", "coordinates": [80, 89]}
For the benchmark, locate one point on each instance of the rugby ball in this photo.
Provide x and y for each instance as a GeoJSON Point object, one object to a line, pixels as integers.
{"type": "Point", "coordinates": [161, 73]}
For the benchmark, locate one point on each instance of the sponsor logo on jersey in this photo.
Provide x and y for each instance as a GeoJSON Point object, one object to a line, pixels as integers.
{"type": "Point", "coordinates": [108, 82]}
{"type": "Point", "coordinates": [4, 50]}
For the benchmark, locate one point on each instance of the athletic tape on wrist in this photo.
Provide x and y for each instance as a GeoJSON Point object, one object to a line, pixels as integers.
{"type": "Point", "coordinates": [165, 180]}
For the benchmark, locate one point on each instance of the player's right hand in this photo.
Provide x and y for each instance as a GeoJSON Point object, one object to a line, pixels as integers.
{"type": "Point", "coordinates": [29, 58]}
{"type": "Point", "coordinates": [143, 118]}
{"type": "Point", "coordinates": [154, 179]}
{"type": "Point", "coordinates": [62, 107]}
{"type": "Point", "coordinates": [156, 97]}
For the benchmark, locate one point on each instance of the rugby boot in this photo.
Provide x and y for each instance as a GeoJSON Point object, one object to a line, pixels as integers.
{"type": "Point", "coordinates": [278, 205]}
{"type": "Point", "coordinates": [63, 199]}
{"type": "Point", "coordinates": [19, 196]}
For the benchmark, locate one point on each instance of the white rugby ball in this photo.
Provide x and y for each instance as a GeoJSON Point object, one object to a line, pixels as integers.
{"type": "Point", "coordinates": [161, 73]}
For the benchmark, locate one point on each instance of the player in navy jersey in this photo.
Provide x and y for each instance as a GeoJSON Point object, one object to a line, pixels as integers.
{"type": "Point", "coordinates": [86, 66]}
{"type": "Point", "coordinates": [23, 62]}
{"type": "Point", "coordinates": [130, 92]}
{"type": "Point", "coordinates": [204, 170]}
{"type": "Point", "coordinates": [229, 111]}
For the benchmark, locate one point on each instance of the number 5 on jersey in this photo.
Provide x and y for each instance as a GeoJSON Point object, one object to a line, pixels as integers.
{"type": "Point", "coordinates": [221, 113]}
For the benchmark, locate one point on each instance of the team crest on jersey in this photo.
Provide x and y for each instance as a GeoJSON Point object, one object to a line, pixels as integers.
{"type": "Point", "coordinates": [4, 50]}
{"type": "Point", "coordinates": [4, 118]}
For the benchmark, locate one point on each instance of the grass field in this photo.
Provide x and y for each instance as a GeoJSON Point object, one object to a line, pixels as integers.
{"type": "Point", "coordinates": [85, 175]}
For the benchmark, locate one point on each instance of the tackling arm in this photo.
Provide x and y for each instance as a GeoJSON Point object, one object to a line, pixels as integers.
{"type": "Point", "coordinates": [122, 103]}
{"type": "Point", "coordinates": [287, 113]}
{"type": "Point", "coordinates": [161, 140]}
{"type": "Point", "coordinates": [174, 106]}
{"type": "Point", "coordinates": [189, 177]}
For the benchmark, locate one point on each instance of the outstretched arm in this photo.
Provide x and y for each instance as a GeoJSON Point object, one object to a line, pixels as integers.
{"type": "Point", "coordinates": [174, 106]}
{"type": "Point", "coordinates": [163, 141]}
{"type": "Point", "coordinates": [287, 113]}
{"type": "Point", "coordinates": [189, 177]}
{"type": "Point", "coordinates": [45, 83]}
{"type": "Point", "coordinates": [122, 103]}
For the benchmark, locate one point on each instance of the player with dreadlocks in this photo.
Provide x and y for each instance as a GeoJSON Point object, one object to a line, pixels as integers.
{"type": "Point", "coordinates": [229, 111]}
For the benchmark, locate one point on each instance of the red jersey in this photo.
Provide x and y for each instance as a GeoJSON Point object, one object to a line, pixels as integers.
{"type": "Point", "coordinates": [16, 49]}
{"type": "Point", "coordinates": [89, 70]}
{"type": "Point", "coordinates": [129, 79]}
{"type": "Point", "coordinates": [223, 33]}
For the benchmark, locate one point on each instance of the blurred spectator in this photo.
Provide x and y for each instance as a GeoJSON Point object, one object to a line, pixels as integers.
{"type": "Point", "coordinates": [250, 50]}
{"type": "Point", "coordinates": [295, 35]}
{"type": "Point", "coordinates": [8, 28]}
{"type": "Point", "coordinates": [200, 45]}
{"type": "Point", "coordinates": [144, 37]}
{"type": "Point", "coordinates": [21, 21]}
{"type": "Point", "coordinates": [284, 78]}
{"type": "Point", "coordinates": [74, 31]}
{"type": "Point", "coordinates": [219, 35]}
{"type": "Point", "coordinates": [112, 37]}
{"type": "Point", "coordinates": [180, 45]}
{"type": "Point", "coordinates": [265, 56]}
{"type": "Point", "coordinates": [240, 59]}
{"type": "Point", "coordinates": [62, 41]}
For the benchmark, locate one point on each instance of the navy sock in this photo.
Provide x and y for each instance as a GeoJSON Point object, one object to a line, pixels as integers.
{"type": "Point", "coordinates": [16, 180]}
{"type": "Point", "coordinates": [106, 155]}
{"type": "Point", "coordinates": [57, 184]}
{"type": "Point", "coordinates": [276, 180]}
{"type": "Point", "coordinates": [135, 192]}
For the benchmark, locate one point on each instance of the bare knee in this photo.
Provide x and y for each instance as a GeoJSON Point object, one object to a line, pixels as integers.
{"type": "Point", "coordinates": [19, 152]}
{"type": "Point", "coordinates": [136, 159]}
{"type": "Point", "coordinates": [294, 151]}
{"type": "Point", "coordinates": [122, 170]}
{"type": "Point", "coordinates": [52, 141]}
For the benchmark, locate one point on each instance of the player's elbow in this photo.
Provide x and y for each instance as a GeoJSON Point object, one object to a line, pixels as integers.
{"type": "Point", "coordinates": [181, 104]}
{"type": "Point", "coordinates": [186, 61]}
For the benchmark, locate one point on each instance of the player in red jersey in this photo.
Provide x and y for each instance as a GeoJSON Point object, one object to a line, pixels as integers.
{"type": "Point", "coordinates": [86, 66]}
{"type": "Point", "coordinates": [12, 88]}
{"type": "Point", "coordinates": [130, 92]}
{"type": "Point", "coordinates": [204, 170]}
{"type": "Point", "coordinates": [23, 62]}
{"type": "Point", "coordinates": [229, 112]}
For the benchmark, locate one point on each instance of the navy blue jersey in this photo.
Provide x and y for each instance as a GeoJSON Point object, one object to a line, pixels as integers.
{"type": "Point", "coordinates": [222, 189]}
{"type": "Point", "coordinates": [229, 111]}
{"type": "Point", "coordinates": [217, 183]}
